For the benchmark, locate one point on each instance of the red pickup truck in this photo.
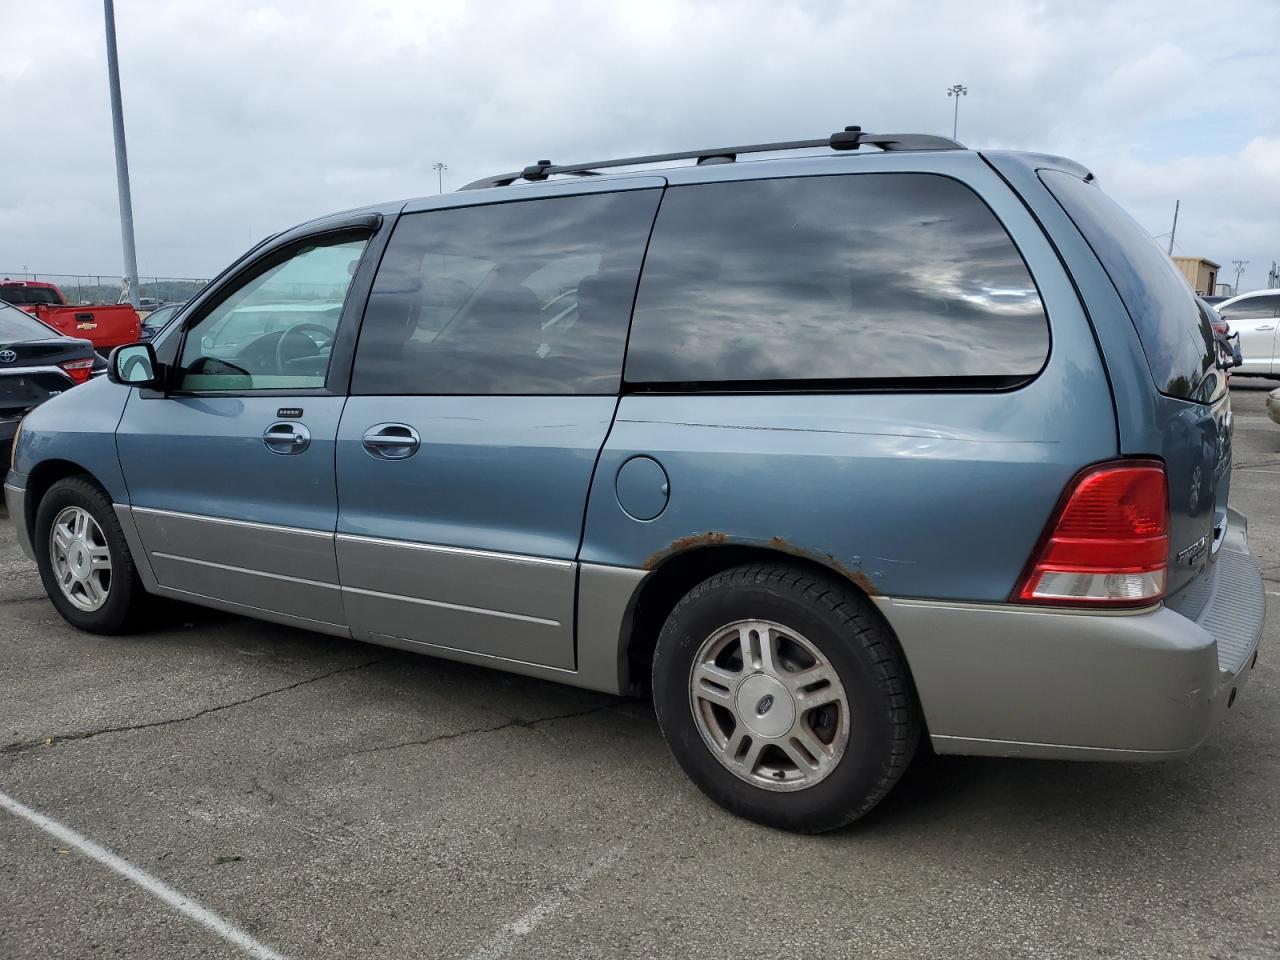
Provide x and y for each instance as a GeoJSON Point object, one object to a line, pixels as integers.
{"type": "Point", "coordinates": [105, 326]}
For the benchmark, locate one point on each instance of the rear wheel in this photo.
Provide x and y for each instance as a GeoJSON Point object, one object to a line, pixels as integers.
{"type": "Point", "coordinates": [84, 561]}
{"type": "Point", "coordinates": [785, 697]}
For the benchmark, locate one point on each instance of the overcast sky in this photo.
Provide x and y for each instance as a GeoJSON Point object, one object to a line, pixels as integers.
{"type": "Point", "coordinates": [246, 117]}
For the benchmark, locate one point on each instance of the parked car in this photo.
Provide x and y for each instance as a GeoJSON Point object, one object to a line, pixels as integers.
{"type": "Point", "coordinates": [783, 442]}
{"type": "Point", "coordinates": [1254, 317]}
{"type": "Point", "coordinates": [36, 363]}
{"type": "Point", "coordinates": [1228, 344]}
{"type": "Point", "coordinates": [1216, 299]}
{"type": "Point", "coordinates": [1273, 405]}
{"type": "Point", "coordinates": [158, 319]}
{"type": "Point", "coordinates": [105, 326]}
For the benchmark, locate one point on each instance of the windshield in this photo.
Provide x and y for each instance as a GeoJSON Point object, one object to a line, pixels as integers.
{"type": "Point", "coordinates": [28, 295]}
{"type": "Point", "coordinates": [16, 325]}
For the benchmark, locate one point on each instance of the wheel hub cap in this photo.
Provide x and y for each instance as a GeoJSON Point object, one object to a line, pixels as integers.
{"type": "Point", "coordinates": [764, 706]}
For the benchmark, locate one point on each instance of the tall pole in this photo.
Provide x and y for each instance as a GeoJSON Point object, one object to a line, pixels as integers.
{"type": "Point", "coordinates": [956, 90]}
{"type": "Point", "coordinates": [1175, 225]}
{"type": "Point", "coordinates": [122, 159]}
{"type": "Point", "coordinates": [1239, 265]}
{"type": "Point", "coordinates": [440, 167]}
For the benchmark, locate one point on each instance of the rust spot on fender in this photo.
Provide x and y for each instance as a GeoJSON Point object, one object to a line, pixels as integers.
{"type": "Point", "coordinates": [854, 576]}
{"type": "Point", "coordinates": [709, 539]}
{"type": "Point", "coordinates": [714, 538]}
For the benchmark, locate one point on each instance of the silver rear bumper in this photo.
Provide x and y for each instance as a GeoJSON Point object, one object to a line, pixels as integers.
{"type": "Point", "coordinates": [1003, 680]}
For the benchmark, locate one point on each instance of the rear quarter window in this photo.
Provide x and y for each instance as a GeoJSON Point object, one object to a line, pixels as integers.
{"type": "Point", "coordinates": [1175, 335]}
{"type": "Point", "coordinates": [16, 326]}
{"type": "Point", "coordinates": [862, 277]}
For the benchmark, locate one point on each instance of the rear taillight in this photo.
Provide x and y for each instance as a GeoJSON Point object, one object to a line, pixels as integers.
{"type": "Point", "coordinates": [78, 370]}
{"type": "Point", "coordinates": [1107, 544]}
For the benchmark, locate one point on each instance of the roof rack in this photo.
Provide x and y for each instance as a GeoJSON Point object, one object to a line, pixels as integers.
{"type": "Point", "coordinates": [851, 138]}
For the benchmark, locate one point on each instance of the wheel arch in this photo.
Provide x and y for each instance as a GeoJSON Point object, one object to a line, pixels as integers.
{"type": "Point", "coordinates": [44, 475]}
{"type": "Point", "coordinates": [678, 573]}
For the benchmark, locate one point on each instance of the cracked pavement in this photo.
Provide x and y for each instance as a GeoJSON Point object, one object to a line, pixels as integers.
{"type": "Point", "coordinates": [338, 800]}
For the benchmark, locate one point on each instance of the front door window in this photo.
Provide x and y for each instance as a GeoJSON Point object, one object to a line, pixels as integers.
{"type": "Point", "coordinates": [275, 331]}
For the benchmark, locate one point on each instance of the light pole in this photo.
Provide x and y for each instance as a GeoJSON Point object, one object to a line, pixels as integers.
{"type": "Point", "coordinates": [122, 160]}
{"type": "Point", "coordinates": [440, 168]}
{"type": "Point", "coordinates": [957, 90]}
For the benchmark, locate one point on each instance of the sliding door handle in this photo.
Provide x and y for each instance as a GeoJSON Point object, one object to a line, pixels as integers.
{"type": "Point", "coordinates": [391, 441]}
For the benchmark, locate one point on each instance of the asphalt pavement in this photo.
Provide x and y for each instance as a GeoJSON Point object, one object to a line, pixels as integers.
{"type": "Point", "coordinates": [321, 798]}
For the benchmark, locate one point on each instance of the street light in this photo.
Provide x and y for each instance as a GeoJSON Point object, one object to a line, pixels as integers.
{"type": "Point", "coordinates": [122, 160]}
{"type": "Point", "coordinates": [957, 90]}
{"type": "Point", "coordinates": [440, 168]}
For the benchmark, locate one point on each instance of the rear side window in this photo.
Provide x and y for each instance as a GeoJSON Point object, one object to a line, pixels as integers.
{"type": "Point", "coordinates": [1251, 308]}
{"type": "Point", "coordinates": [528, 297]}
{"type": "Point", "coordinates": [1176, 338]}
{"type": "Point", "coordinates": [16, 325]}
{"type": "Point", "coordinates": [26, 296]}
{"type": "Point", "coordinates": [853, 277]}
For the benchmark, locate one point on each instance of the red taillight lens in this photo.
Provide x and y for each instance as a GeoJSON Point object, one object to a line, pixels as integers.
{"type": "Point", "coordinates": [1108, 541]}
{"type": "Point", "coordinates": [78, 370]}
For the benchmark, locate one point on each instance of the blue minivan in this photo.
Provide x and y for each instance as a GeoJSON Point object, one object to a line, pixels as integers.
{"type": "Point", "coordinates": [828, 448]}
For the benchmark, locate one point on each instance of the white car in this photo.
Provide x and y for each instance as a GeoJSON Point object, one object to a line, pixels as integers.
{"type": "Point", "coordinates": [1255, 317]}
{"type": "Point", "coordinates": [1273, 405]}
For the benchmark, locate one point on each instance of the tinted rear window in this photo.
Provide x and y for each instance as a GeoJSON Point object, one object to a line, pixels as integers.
{"type": "Point", "coordinates": [16, 326]}
{"type": "Point", "coordinates": [852, 277]}
{"type": "Point", "coordinates": [1176, 337]}
{"type": "Point", "coordinates": [510, 298]}
{"type": "Point", "coordinates": [28, 295]}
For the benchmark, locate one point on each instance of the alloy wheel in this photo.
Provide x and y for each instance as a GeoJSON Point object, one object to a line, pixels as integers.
{"type": "Point", "coordinates": [80, 558]}
{"type": "Point", "coordinates": [769, 705]}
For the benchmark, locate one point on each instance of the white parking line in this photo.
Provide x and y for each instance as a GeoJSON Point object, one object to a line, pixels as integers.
{"type": "Point", "coordinates": [157, 888]}
{"type": "Point", "coordinates": [506, 938]}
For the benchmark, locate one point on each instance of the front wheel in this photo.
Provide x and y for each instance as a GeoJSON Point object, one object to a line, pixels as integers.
{"type": "Point", "coordinates": [84, 561]}
{"type": "Point", "coordinates": [785, 697]}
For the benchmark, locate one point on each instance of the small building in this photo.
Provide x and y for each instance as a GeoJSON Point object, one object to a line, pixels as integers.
{"type": "Point", "coordinates": [1202, 274]}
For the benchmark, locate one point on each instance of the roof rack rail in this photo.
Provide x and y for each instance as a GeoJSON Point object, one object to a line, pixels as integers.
{"type": "Point", "coordinates": [850, 138]}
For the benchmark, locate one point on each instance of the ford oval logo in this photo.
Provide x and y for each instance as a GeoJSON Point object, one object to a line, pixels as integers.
{"type": "Point", "coordinates": [7, 356]}
{"type": "Point", "coordinates": [765, 705]}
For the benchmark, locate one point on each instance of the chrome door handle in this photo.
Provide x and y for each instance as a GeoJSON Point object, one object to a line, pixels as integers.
{"type": "Point", "coordinates": [286, 437]}
{"type": "Point", "coordinates": [391, 441]}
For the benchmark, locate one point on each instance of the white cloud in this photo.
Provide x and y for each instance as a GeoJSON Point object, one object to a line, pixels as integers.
{"type": "Point", "coordinates": [244, 117]}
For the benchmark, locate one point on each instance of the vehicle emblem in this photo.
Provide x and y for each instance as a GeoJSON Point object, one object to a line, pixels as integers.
{"type": "Point", "coordinates": [8, 356]}
{"type": "Point", "coordinates": [1190, 556]}
{"type": "Point", "coordinates": [765, 705]}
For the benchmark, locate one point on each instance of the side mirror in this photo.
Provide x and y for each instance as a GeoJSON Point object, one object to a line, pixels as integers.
{"type": "Point", "coordinates": [134, 365]}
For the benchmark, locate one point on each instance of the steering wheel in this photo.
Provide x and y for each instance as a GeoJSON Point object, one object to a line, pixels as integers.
{"type": "Point", "coordinates": [303, 331]}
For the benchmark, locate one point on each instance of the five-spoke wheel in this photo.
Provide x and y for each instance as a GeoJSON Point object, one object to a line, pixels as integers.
{"type": "Point", "coordinates": [83, 557]}
{"type": "Point", "coordinates": [769, 705]}
{"type": "Point", "coordinates": [80, 558]}
{"type": "Point", "coordinates": [785, 696]}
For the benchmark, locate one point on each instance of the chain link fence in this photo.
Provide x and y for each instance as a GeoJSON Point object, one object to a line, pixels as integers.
{"type": "Point", "coordinates": [107, 288]}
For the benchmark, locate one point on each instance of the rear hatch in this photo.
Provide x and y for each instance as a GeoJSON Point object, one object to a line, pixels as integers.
{"type": "Point", "coordinates": [1191, 404]}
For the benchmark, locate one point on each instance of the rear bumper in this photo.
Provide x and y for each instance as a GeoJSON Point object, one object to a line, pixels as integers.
{"type": "Point", "coordinates": [1002, 680]}
{"type": "Point", "coordinates": [15, 500]}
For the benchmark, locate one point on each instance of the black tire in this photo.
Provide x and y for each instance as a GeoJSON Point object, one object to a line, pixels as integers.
{"type": "Point", "coordinates": [121, 613]}
{"type": "Point", "coordinates": [884, 714]}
